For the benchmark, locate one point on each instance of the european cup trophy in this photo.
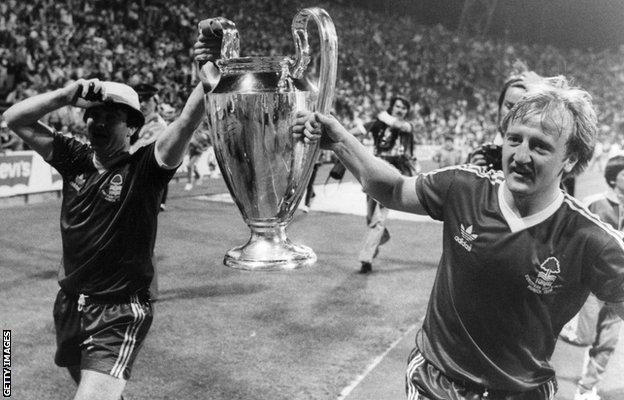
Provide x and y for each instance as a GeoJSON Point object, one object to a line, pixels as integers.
{"type": "Point", "coordinates": [250, 110]}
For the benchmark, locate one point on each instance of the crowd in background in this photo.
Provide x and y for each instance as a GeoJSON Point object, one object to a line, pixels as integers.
{"type": "Point", "coordinates": [453, 81]}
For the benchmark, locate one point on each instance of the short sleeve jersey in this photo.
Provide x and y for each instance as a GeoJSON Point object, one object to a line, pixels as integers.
{"type": "Point", "coordinates": [505, 287]}
{"type": "Point", "coordinates": [154, 126]}
{"type": "Point", "coordinates": [108, 219]}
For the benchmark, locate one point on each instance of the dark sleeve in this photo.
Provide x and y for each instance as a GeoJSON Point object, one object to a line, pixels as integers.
{"type": "Point", "coordinates": [69, 155]}
{"type": "Point", "coordinates": [149, 166]}
{"type": "Point", "coordinates": [432, 189]}
{"type": "Point", "coordinates": [606, 276]}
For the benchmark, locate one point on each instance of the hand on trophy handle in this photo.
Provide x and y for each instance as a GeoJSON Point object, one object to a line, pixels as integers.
{"type": "Point", "coordinates": [314, 126]}
{"type": "Point", "coordinates": [208, 45]}
{"type": "Point", "coordinates": [207, 50]}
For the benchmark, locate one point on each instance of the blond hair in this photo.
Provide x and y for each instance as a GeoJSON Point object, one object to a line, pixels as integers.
{"type": "Point", "coordinates": [561, 108]}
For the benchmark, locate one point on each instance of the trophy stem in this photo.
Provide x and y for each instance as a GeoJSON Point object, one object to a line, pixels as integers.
{"type": "Point", "coordinates": [269, 249]}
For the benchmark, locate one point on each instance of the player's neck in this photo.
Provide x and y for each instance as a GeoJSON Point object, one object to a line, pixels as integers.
{"type": "Point", "coordinates": [105, 162]}
{"type": "Point", "coordinates": [526, 205]}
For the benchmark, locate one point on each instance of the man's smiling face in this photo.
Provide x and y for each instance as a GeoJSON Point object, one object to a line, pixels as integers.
{"type": "Point", "coordinates": [534, 156]}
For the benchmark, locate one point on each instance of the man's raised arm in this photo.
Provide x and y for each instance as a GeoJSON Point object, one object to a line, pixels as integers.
{"type": "Point", "coordinates": [379, 179]}
{"type": "Point", "coordinates": [23, 117]}
{"type": "Point", "coordinates": [171, 145]}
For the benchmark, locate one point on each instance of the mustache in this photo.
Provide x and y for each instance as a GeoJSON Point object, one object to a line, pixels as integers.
{"type": "Point", "coordinates": [520, 168]}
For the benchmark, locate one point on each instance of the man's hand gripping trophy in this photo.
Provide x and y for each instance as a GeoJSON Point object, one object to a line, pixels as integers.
{"type": "Point", "coordinates": [311, 127]}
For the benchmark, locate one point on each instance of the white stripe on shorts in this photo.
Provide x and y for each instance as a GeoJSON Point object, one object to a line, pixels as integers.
{"type": "Point", "coordinates": [129, 338]}
{"type": "Point", "coordinates": [412, 391]}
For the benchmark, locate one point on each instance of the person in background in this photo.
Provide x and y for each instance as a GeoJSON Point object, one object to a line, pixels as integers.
{"type": "Point", "coordinates": [199, 143]}
{"type": "Point", "coordinates": [392, 142]}
{"type": "Point", "coordinates": [597, 324]}
{"type": "Point", "coordinates": [9, 141]}
{"type": "Point", "coordinates": [448, 155]}
{"type": "Point", "coordinates": [309, 194]}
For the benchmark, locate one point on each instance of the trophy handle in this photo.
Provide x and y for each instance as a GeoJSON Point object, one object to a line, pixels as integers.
{"type": "Point", "coordinates": [329, 52]}
{"type": "Point", "coordinates": [209, 29]}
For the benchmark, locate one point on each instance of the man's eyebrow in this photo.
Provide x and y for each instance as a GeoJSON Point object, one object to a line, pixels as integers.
{"type": "Point", "coordinates": [542, 143]}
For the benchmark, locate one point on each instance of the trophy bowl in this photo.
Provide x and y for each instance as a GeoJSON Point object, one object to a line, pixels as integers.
{"type": "Point", "coordinates": [250, 114]}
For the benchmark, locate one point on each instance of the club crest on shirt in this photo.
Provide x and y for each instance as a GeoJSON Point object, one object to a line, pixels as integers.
{"type": "Point", "coordinates": [467, 237]}
{"type": "Point", "coordinates": [112, 192]}
{"type": "Point", "coordinates": [543, 281]}
{"type": "Point", "coordinates": [78, 182]}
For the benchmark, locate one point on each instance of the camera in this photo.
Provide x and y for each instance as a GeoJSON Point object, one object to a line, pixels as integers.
{"type": "Point", "coordinates": [493, 155]}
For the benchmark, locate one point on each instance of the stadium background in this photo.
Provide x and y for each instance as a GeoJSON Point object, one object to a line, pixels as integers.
{"type": "Point", "coordinates": [226, 334]}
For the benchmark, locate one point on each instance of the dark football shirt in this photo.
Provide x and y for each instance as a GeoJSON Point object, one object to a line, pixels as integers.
{"type": "Point", "coordinates": [108, 219]}
{"type": "Point", "coordinates": [506, 285]}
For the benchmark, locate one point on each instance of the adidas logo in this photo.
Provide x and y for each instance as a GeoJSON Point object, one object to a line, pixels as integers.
{"type": "Point", "coordinates": [467, 237]}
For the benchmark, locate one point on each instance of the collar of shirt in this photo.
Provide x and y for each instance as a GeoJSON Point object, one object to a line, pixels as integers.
{"type": "Point", "coordinates": [517, 223]}
{"type": "Point", "coordinates": [613, 197]}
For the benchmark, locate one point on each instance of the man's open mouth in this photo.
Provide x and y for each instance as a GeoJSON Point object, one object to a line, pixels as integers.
{"type": "Point", "coordinates": [524, 173]}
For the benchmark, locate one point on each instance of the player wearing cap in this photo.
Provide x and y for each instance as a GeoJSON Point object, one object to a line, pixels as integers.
{"type": "Point", "coordinates": [519, 257]}
{"type": "Point", "coordinates": [108, 223]}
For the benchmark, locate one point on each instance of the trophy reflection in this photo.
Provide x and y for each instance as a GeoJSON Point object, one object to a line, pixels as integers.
{"type": "Point", "coordinates": [250, 114]}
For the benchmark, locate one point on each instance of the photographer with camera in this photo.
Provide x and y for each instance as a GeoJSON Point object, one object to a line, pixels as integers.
{"type": "Point", "coordinates": [489, 154]}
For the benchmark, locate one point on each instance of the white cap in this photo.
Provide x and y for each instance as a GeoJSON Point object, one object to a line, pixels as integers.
{"type": "Point", "coordinates": [118, 93]}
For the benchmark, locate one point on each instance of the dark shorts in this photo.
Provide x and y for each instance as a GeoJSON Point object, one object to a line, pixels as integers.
{"type": "Point", "coordinates": [98, 336]}
{"type": "Point", "coordinates": [425, 382]}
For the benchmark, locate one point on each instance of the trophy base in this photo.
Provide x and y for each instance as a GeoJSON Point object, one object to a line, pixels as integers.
{"type": "Point", "coordinates": [269, 249]}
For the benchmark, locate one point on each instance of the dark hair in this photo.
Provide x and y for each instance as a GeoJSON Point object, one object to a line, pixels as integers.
{"type": "Point", "coordinates": [614, 165]}
{"type": "Point", "coordinates": [513, 82]}
{"type": "Point", "coordinates": [401, 99]}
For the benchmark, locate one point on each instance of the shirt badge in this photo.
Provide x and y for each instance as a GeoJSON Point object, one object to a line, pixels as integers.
{"type": "Point", "coordinates": [112, 193]}
{"type": "Point", "coordinates": [547, 274]}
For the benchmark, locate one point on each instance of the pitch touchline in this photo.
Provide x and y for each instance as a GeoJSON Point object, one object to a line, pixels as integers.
{"type": "Point", "coordinates": [347, 390]}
